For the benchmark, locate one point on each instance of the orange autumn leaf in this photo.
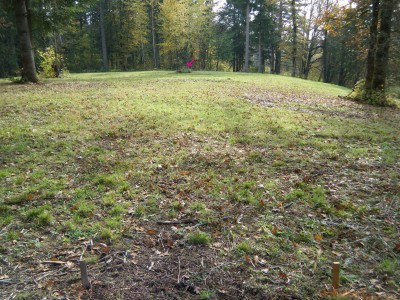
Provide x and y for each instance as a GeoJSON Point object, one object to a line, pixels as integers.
{"type": "Point", "coordinates": [318, 237]}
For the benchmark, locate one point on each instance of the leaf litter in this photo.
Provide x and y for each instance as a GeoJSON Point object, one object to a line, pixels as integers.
{"type": "Point", "coordinates": [295, 218]}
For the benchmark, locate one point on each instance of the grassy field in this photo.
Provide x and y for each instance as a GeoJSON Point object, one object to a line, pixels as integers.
{"type": "Point", "coordinates": [196, 186]}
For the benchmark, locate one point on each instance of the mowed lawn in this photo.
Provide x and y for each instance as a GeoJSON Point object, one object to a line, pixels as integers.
{"type": "Point", "coordinates": [206, 185]}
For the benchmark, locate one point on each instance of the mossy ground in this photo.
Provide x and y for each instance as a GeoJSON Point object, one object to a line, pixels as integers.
{"type": "Point", "coordinates": [206, 185]}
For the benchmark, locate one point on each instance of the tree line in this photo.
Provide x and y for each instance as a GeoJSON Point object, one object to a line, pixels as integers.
{"type": "Point", "coordinates": [328, 40]}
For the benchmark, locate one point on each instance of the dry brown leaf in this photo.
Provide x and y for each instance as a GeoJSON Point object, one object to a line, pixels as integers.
{"type": "Point", "coordinates": [274, 230]}
{"type": "Point", "coordinates": [151, 231]}
{"type": "Point", "coordinates": [283, 275]}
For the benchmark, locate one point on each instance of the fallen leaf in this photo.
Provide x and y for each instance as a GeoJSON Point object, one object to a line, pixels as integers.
{"type": "Point", "coordinates": [274, 230]}
{"type": "Point", "coordinates": [336, 253]}
{"type": "Point", "coordinates": [170, 243]}
{"type": "Point", "coordinates": [283, 275]}
{"type": "Point", "coordinates": [318, 237]}
{"type": "Point", "coordinates": [151, 231]}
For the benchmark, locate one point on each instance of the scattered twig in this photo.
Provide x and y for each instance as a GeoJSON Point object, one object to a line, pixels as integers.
{"type": "Point", "coordinates": [50, 273]}
{"type": "Point", "coordinates": [179, 270]}
{"type": "Point", "coordinates": [288, 205]}
{"type": "Point", "coordinates": [54, 262]}
{"type": "Point", "coordinates": [184, 221]}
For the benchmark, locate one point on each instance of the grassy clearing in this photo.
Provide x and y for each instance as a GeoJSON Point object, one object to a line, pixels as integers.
{"type": "Point", "coordinates": [266, 178]}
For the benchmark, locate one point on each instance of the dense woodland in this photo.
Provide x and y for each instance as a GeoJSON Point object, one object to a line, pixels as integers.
{"type": "Point", "coordinates": [324, 40]}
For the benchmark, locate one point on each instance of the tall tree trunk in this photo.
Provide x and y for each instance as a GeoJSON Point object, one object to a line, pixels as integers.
{"type": "Point", "coordinates": [342, 71]}
{"type": "Point", "coordinates": [278, 51]}
{"type": "Point", "coordinates": [25, 43]}
{"type": "Point", "coordinates": [260, 55]}
{"type": "Point", "coordinates": [103, 37]}
{"type": "Point", "coordinates": [325, 58]}
{"type": "Point", "coordinates": [294, 37]}
{"type": "Point", "coordinates": [272, 60]}
{"type": "Point", "coordinates": [247, 43]}
{"type": "Point", "coordinates": [373, 36]}
{"type": "Point", "coordinates": [153, 35]}
{"type": "Point", "coordinates": [383, 43]}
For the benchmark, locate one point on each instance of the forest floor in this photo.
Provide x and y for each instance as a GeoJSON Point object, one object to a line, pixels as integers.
{"type": "Point", "coordinates": [196, 186]}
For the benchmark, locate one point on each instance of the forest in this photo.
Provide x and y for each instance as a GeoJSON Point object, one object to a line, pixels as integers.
{"type": "Point", "coordinates": [324, 40]}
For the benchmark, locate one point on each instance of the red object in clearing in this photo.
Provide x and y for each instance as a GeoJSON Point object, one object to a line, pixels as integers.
{"type": "Point", "coordinates": [190, 63]}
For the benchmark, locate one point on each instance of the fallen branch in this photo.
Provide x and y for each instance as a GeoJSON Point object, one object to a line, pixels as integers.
{"type": "Point", "coordinates": [7, 281]}
{"type": "Point", "coordinates": [184, 221]}
{"type": "Point", "coordinates": [54, 262]}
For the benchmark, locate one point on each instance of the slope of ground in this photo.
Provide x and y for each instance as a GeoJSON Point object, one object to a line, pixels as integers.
{"type": "Point", "coordinates": [196, 186]}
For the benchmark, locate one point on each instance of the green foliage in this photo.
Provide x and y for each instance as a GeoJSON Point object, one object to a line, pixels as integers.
{"type": "Point", "coordinates": [361, 94]}
{"type": "Point", "coordinates": [206, 294]}
{"type": "Point", "coordinates": [84, 209]}
{"type": "Point", "coordinates": [243, 248]}
{"type": "Point", "coordinates": [41, 216]}
{"type": "Point", "coordinates": [389, 266]}
{"type": "Point", "coordinates": [199, 238]}
{"type": "Point", "coordinates": [50, 64]}
{"type": "Point", "coordinates": [107, 234]}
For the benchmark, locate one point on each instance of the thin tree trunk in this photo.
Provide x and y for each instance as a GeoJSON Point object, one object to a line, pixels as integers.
{"type": "Point", "coordinates": [373, 35]}
{"type": "Point", "coordinates": [247, 43]}
{"type": "Point", "coordinates": [278, 52]}
{"type": "Point", "coordinates": [272, 60]}
{"type": "Point", "coordinates": [25, 43]}
{"type": "Point", "coordinates": [260, 56]}
{"type": "Point", "coordinates": [325, 60]}
{"type": "Point", "coordinates": [382, 50]}
{"type": "Point", "coordinates": [153, 36]}
{"type": "Point", "coordinates": [294, 37]}
{"type": "Point", "coordinates": [342, 72]}
{"type": "Point", "coordinates": [103, 37]}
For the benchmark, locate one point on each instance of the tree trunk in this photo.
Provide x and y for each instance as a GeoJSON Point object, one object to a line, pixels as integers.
{"type": "Point", "coordinates": [342, 71]}
{"type": "Point", "coordinates": [260, 55]}
{"type": "Point", "coordinates": [153, 35]}
{"type": "Point", "coordinates": [247, 43]}
{"type": "Point", "coordinates": [103, 37]}
{"type": "Point", "coordinates": [25, 43]}
{"type": "Point", "coordinates": [325, 60]}
{"type": "Point", "coordinates": [272, 60]}
{"type": "Point", "coordinates": [383, 43]}
{"type": "Point", "coordinates": [373, 35]}
{"type": "Point", "coordinates": [294, 37]}
{"type": "Point", "coordinates": [278, 52]}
